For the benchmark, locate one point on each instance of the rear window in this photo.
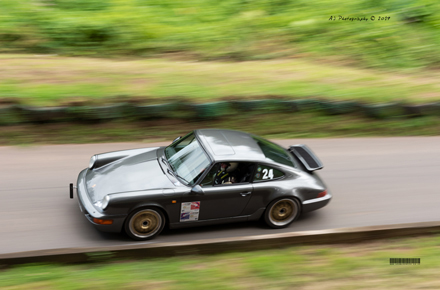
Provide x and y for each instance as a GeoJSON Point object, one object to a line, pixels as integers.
{"type": "Point", "coordinates": [274, 151]}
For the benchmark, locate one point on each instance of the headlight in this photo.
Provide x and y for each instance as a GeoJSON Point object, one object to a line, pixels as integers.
{"type": "Point", "coordinates": [92, 161]}
{"type": "Point", "coordinates": [103, 203]}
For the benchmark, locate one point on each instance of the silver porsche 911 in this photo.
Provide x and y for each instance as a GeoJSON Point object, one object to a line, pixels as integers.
{"type": "Point", "coordinates": [210, 176]}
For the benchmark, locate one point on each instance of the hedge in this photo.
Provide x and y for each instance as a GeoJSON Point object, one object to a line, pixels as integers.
{"type": "Point", "coordinates": [17, 114]}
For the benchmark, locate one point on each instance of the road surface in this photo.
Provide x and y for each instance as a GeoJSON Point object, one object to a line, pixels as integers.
{"type": "Point", "coordinates": [374, 181]}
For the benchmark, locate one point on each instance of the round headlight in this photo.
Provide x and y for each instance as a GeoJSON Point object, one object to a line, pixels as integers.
{"type": "Point", "coordinates": [92, 161]}
{"type": "Point", "coordinates": [103, 203]}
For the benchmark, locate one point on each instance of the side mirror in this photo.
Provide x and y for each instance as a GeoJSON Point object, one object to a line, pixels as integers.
{"type": "Point", "coordinates": [197, 190]}
{"type": "Point", "coordinates": [178, 138]}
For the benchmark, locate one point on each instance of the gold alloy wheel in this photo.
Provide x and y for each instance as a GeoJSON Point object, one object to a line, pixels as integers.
{"type": "Point", "coordinates": [283, 212]}
{"type": "Point", "coordinates": [145, 223]}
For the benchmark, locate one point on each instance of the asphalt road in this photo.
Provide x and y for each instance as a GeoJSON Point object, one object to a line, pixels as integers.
{"type": "Point", "coordinates": [374, 181]}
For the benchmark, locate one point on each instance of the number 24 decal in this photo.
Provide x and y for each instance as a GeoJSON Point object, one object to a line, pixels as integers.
{"type": "Point", "coordinates": [267, 174]}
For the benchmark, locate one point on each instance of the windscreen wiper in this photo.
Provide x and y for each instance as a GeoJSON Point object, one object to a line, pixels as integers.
{"type": "Point", "coordinates": [173, 172]}
{"type": "Point", "coordinates": [178, 176]}
{"type": "Point", "coordinates": [166, 162]}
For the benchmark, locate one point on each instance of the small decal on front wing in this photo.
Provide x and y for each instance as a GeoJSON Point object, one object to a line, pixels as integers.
{"type": "Point", "coordinates": [189, 211]}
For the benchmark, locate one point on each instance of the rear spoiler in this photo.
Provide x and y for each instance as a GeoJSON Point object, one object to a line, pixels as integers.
{"type": "Point", "coordinates": [306, 156]}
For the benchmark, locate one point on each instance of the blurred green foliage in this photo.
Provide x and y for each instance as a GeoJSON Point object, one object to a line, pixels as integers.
{"type": "Point", "coordinates": [227, 29]}
{"type": "Point", "coordinates": [349, 266]}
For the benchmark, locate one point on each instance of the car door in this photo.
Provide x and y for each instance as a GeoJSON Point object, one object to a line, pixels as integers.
{"type": "Point", "coordinates": [222, 200]}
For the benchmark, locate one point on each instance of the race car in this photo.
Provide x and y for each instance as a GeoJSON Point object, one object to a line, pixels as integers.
{"type": "Point", "coordinates": [209, 176]}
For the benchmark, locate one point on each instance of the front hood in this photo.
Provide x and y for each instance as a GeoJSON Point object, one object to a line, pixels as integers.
{"type": "Point", "coordinates": [134, 173]}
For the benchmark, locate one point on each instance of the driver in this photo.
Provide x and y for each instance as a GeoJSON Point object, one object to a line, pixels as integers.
{"type": "Point", "coordinates": [223, 176]}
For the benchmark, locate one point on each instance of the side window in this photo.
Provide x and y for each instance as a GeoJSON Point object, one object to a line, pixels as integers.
{"type": "Point", "coordinates": [229, 173]}
{"type": "Point", "coordinates": [209, 178]}
{"type": "Point", "coordinates": [264, 173]}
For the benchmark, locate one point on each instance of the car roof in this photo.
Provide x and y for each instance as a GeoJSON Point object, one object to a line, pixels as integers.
{"type": "Point", "coordinates": [230, 145]}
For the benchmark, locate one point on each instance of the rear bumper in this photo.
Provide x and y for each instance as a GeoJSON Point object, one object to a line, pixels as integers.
{"type": "Point", "coordinates": [90, 212]}
{"type": "Point", "coordinates": [316, 203]}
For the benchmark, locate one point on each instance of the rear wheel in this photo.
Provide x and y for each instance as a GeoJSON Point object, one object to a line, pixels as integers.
{"type": "Point", "coordinates": [145, 224]}
{"type": "Point", "coordinates": [281, 213]}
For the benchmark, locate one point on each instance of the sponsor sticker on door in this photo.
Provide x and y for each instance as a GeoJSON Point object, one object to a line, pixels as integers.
{"type": "Point", "coordinates": [189, 211]}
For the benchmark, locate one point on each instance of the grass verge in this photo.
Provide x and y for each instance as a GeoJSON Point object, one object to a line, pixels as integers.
{"type": "Point", "coordinates": [351, 266]}
{"type": "Point", "coordinates": [52, 80]}
{"type": "Point", "coordinates": [278, 126]}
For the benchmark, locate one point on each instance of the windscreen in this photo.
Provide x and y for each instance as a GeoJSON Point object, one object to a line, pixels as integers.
{"type": "Point", "coordinates": [187, 158]}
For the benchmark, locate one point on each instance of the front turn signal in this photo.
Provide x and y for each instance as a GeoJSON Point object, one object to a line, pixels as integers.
{"type": "Point", "coordinates": [102, 222]}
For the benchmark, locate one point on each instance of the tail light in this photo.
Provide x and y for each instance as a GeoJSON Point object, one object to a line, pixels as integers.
{"type": "Point", "coordinates": [322, 194]}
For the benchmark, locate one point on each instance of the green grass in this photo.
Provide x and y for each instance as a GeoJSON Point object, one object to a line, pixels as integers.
{"type": "Point", "coordinates": [229, 29]}
{"type": "Point", "coordinates": [276, 126]}
{"type": "Point", "coordinates": [351, 266]}
{"type": "Point", "coordinates": [53, 80]}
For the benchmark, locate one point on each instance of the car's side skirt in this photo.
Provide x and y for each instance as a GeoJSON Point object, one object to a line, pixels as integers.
{"type": "Point", "coordinates": [255, 216]}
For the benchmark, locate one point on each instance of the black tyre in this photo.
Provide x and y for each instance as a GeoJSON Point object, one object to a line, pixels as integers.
{"type": "Point", "coordinates": [282, 212]}
{"type": "Point", "coordinates": [145, 224]}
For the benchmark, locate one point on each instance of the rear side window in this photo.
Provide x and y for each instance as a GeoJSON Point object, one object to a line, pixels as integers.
{"type": "Point", "coordinates": [264, 173]}
{"type": "Point", "coordinates": [274, 151]}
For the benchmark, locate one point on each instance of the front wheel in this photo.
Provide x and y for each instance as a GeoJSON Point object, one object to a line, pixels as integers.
{"type": "Point", "coordinates": [281, 213]}
{"type": "Point", "coordinates": [145, 224]}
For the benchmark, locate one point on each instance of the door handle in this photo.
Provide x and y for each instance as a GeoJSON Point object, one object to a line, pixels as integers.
{"type": "Point", "coordinates": [245, 193]}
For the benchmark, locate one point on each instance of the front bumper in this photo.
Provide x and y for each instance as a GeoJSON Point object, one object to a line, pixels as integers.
{"type": "Point", "coordinates": [316, 203]}
{"type": "Point", "coordinates": [90, 212]}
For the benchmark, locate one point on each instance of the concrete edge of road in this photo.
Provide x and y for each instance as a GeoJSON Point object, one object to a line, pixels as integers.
{"type": "Point", "coordinates": [216, 246]}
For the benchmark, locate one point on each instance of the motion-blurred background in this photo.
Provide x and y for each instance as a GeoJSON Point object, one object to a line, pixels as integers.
{"type": "Point", "coordinates": [334, 68]}
{"type": "Point", "coordinates": [233, 30]}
